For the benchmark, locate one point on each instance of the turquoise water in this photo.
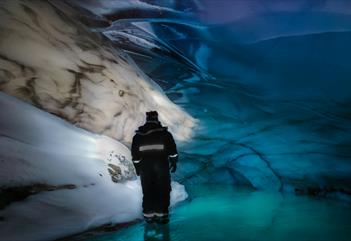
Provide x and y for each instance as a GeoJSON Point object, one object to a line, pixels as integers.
{"type": "Point", "coordinates": [226, 213]}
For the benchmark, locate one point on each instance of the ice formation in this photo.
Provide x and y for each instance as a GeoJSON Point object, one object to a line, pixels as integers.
{"type": "Point", "coordinates": [75, 179]}
{"type": "Point", "coordinates": [55, 178]}
{"type": "Point", "coordinates": [48, 58]}
{"type": "Point", "coordinates": [269, 85]}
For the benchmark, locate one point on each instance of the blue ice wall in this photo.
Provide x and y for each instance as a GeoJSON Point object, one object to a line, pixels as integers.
{"type": "Point", "coordinates": [269, 82]}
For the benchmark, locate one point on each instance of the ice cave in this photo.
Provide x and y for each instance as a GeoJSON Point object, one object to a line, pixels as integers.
{"type": "Point", "coordinates": [256, 93]}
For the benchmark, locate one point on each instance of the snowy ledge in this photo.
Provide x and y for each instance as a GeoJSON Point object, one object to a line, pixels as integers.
{"type": "Point", "coordinates": [67, 171]}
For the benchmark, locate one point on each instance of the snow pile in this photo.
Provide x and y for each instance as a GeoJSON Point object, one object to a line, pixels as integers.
{"type": "Point", "coordinates": [72, 167]}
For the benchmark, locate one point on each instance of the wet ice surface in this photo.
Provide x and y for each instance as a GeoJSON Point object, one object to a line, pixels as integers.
{"type": "Point", "coordinates": [227, 213]}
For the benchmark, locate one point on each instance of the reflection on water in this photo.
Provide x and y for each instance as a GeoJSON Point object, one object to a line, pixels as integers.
{"type": "Point", "coordinates": [226, 213]}
{"type": "Point", "coordinates": [156, 232]}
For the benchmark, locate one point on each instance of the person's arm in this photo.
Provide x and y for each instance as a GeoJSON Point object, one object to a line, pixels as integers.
{"type": "Point", "coordinates": [136, 158]}
{"type": "Point", "coordinates": [172, 152]}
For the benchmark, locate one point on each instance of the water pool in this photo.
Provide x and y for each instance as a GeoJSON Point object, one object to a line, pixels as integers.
{"type": "Point", "coordinates": [227, 213]}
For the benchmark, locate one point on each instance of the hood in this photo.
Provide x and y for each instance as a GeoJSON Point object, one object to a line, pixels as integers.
{"type": "Point", "coordinates": [149, 127]}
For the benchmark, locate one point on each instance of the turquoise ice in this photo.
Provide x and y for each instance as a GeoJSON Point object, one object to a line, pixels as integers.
{"type": "Point", "coordinates": [227, 213]}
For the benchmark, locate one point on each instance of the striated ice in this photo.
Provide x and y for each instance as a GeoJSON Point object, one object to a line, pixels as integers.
{"type": "Point", "coordinates": [72, 166]}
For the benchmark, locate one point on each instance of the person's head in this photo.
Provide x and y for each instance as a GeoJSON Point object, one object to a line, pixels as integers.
{"type": "Point", "coordinates": [152, 116]}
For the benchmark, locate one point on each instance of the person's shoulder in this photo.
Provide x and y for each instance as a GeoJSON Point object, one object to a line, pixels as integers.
{"type": "Point", "coordinates": [140, 129]}
{"type": "Point", "coordinates": [167, 132]}
{"type": "Point", "coordinates": [165, 129]}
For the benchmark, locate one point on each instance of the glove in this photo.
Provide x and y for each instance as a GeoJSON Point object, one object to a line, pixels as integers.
{"type": "Point", "coordinates": [173, 166]}
{"type": "Point", "coordinates": [173, 163]}
{"type": "Point", "coordinates": [137, 167]}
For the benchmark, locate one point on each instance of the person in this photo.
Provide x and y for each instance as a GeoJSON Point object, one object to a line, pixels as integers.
{"type": "Point", "coordinates": [154, 155]}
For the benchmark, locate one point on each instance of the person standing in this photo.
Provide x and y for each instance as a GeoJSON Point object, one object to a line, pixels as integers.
{"type": "Point", "coordinates": [154, 155]}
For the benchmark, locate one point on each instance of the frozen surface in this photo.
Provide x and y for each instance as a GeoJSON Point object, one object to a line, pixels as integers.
{"type": "Point", "coordinates": [269, 86]}
{"type": "Point", "coordinates": [50, 59]}
{"type": "Point", "coordinates": [268, 82]}
{"type": "Point", "coordinates": [226, 213]}
{"type": "Point", "coordinates": [90, 177]}
{"type": "Point", "coordinates": [273, 107]}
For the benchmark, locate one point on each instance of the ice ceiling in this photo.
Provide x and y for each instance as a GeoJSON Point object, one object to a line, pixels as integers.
{"type": "Point", "coordinates": [268, 81]}
{"type": "Point", "coordinates": [267, 85]}
{"type": "Point", "coordinates": [257, 93]}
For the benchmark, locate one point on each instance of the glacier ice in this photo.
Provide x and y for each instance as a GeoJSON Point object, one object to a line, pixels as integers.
{"type": "Point", "coordinates": [272, 96]}
{"type": "Point", "coordinates": [50, 59]}
{"type": "Point", "coordinates": [270, 88]}
{"type": "Point", "coordinates": [57, 179]}
{"type": "Point", "coordinates": [241, 214]}
{"type": "Point", "coordinates": [273, 107]}
{"type": "Point", "coordinates": [37, 148]}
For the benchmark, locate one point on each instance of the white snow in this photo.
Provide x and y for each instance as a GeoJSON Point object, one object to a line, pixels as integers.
{"type": "Point", "coordinates": [37, 147]}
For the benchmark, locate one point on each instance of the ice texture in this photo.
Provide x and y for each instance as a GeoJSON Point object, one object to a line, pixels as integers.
{"type": "Point", "coordinates": [50, 59]}
{"type": "Point", "coordinates": [223, 212]}
{"type": "Point", "coordinates": [71, 165]}
{"type": "Point", "coordinates": [57, 179]}
{"type": "Point", "coordinates": [269, 83]}
{"type": "Point", "coordinates": [269, 86]}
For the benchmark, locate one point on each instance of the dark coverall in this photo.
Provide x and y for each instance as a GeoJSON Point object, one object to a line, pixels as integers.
{"type": "Point", "coordinates": [153, 151]}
